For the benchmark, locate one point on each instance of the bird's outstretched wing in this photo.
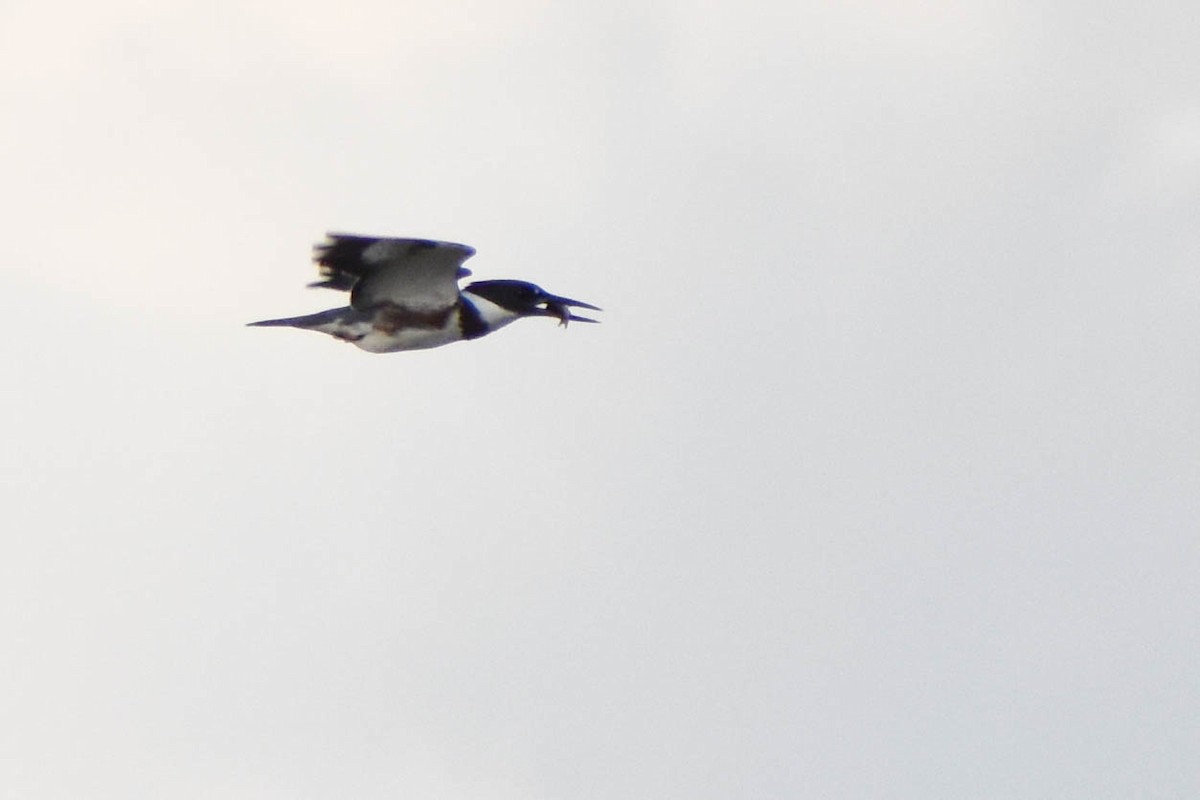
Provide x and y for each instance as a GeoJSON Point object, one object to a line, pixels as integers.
{"type": "Point", "coordinates": [413, 275]}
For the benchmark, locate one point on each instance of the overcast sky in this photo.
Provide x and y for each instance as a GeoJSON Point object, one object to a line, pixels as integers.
{"type": "Point", "coordinates": [881, 478]}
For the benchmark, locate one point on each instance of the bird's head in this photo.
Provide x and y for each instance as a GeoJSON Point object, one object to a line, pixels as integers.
{"type": "Point", "coordinates": [528, 300]}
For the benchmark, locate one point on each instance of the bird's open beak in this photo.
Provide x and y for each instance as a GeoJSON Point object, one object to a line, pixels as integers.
{"type": "Point", "coordinates": [561, 307]}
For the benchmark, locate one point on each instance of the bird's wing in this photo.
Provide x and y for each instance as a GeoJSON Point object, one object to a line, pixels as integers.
{"type": "Point", "coordinates": [417, 275]}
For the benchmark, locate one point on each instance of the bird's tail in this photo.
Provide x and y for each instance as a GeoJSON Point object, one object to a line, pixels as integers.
{"type": "Point", "coordinates": [321, 319]}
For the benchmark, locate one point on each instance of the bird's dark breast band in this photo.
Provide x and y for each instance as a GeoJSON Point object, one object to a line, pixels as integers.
{"type": "Point", "coordinates": [392, 318]}
{"type": "Point", "coordinates": [470, 322]}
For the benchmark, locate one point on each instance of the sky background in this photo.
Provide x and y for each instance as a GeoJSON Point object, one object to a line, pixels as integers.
{"type": "Point", "coordinates": [881, 478]}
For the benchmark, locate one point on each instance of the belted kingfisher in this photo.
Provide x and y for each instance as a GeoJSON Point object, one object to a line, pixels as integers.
{"type": "Point", "coordinates": [404, 295]}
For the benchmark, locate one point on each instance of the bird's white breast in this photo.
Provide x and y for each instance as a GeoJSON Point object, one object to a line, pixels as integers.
{"type": "Point", "coordinates": [380, 341]}
{"type": "Point", "coordinates": [493, 316]}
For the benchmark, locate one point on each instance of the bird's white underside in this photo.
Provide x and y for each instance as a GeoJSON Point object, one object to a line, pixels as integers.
{"type": "Point", "coordinates": [365, 336]}
{"type": "Point", "coordinates": [377, 341]}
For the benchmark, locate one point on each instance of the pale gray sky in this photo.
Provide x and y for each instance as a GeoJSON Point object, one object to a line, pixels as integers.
{"type": "Point", "coordinates": [879, 480]}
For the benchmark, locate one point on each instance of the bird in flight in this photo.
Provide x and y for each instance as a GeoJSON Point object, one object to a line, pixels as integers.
{"type": "Point", "coordinates": [404, 295]}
